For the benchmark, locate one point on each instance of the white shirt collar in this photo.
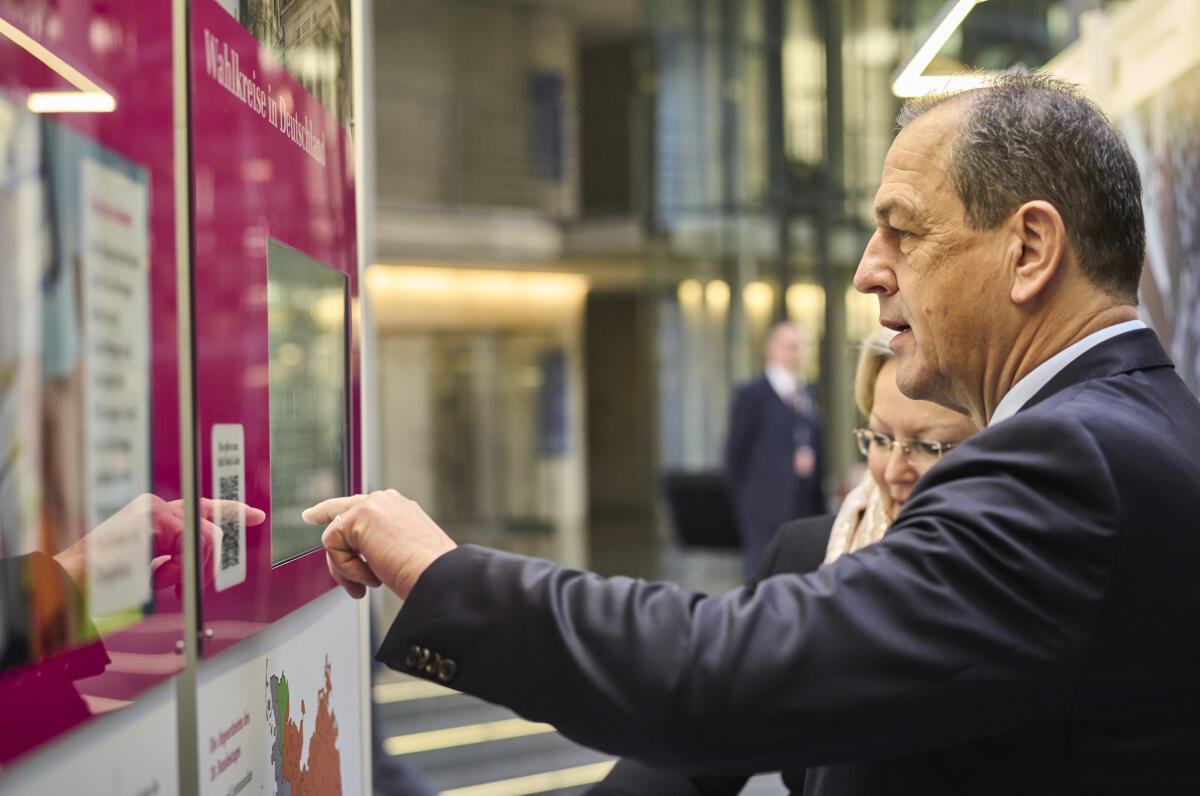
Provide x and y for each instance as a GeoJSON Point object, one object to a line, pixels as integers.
{"type": "Point", "coordinates": [783, 381]}
{"type": "Point", "coordinates": [1040, 376]}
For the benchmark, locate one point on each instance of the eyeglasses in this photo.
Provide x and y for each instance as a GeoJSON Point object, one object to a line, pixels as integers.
{"type": "Point", "coordinates": [917, 452]}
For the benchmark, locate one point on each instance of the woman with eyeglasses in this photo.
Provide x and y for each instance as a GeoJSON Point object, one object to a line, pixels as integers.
{"type": "Point", "coordinates": [901, 439]}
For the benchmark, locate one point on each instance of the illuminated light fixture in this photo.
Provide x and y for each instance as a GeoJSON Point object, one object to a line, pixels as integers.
{"type": "Point", "coordinates": [806, 304]}
{"type": "Point", "coordinates": [71, 102]}
{"type": "Point", "coordinates": [716, 296]}
{"type": "Point", "coordinates": [89, 98]}
{"type": "Point", "coordinates": [504, 286]}
{"type": "Point", "coordinates": [758, 297]}
{"type": "Point", "coordinates": [690, 293]}
{"type": "Point", "coordinates": [911, 80]}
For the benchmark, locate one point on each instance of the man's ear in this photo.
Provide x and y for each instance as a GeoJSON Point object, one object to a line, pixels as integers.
{"type": "Point", "coordinates": [1043, 240]}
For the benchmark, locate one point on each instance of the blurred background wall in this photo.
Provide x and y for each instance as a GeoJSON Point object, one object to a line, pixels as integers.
{"type": "Point", "coordinates": [586, 216]}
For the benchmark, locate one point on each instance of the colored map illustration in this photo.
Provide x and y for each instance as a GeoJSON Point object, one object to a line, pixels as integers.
{"type": "Point", "coordinates": [319, 772]}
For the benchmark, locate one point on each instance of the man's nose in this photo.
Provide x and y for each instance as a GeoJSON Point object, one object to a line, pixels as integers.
{"type": "Point", "coordinates": [874, 273]}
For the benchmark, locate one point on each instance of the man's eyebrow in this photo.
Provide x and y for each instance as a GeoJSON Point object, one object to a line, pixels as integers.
{"type": "Point", "coordinates": [885, 209]}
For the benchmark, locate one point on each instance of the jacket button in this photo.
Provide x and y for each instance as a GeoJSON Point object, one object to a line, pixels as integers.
{"type": "Point", "coordinates": [446, 669]}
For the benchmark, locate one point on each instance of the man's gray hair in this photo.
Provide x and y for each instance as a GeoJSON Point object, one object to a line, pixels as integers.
{"type": "Point", "coordinates": [1027, 136]}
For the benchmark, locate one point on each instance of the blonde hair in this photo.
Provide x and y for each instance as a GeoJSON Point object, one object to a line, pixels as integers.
{"type": "Point", "coordinates": [874, 353]}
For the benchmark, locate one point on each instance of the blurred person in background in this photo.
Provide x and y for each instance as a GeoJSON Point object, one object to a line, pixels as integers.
{"type": "Point", "coordinates": [901, 440]}
{"type": "Point", "coordinates": [774, 455]}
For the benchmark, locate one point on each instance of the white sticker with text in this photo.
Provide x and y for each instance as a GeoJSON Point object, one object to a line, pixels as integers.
{"type": "Point", "coordinates": [229, 484]}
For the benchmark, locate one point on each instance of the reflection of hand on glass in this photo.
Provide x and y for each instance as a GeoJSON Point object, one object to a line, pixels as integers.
{"type": "Point", "coordinates": [165, 521]}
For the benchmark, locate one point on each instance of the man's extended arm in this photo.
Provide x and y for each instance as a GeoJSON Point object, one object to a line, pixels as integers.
{"type": "Point", "coordinates": [970, 617]}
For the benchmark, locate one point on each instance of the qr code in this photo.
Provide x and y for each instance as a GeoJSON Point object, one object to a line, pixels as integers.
{"type": "Point", "coordinates": [231, 551]}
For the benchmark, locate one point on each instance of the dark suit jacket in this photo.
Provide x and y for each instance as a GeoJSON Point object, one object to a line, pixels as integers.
{"type": "Point", "coordinates": [763, 436]}
{"type": "Point", "coordinates": [1029, 624]}
{"type": "Point", "coordinates": [799, 546]}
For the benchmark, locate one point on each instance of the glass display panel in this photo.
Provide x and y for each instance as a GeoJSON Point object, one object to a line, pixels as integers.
{"type": "Point", "coordinates": [306, 319]}
{"type": "Point", "coordinates": [91, 518]}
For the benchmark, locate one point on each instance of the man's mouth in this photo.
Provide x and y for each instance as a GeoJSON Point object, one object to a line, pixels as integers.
{"type": "Point", "coordinates": [895, 326]}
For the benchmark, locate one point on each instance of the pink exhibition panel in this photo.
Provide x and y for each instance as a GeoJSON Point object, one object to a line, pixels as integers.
{"type": "Point", "coordinates": [90, 518]}
{"type": "Point", "coordinates": [275, 291]}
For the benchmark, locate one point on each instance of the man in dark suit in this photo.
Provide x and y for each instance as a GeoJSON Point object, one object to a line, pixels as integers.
{"type": "Point", "coordinates": [1028, 624]}
{"type": "Point", "coordinates": [774, 452]}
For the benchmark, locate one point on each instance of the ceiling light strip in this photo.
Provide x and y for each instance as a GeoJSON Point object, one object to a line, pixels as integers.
{"type": "Point", "coordinates": [91, 98]}
{"type": "Point", "coordinates": [71, 102]}
{"type": "Point", "coordinates": [911, 82]}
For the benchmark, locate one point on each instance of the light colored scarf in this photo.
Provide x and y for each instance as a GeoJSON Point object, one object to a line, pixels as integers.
{"type": "Point", "coordinates": [860, 521]}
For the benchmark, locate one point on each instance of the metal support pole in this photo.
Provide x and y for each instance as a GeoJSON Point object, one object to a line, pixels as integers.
{"type": "Point", "coordinates": [779, 191]}
{"type": "Point", "coordinates": [186, 707]}
{"type": "Point", "coordinates": [829, 213]}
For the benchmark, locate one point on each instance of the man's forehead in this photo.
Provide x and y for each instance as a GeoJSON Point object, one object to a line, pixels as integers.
{"type": "Point", "coordinates": [915, 165]}
{"type": "Point", "coordinates": [785, 332]}
{"type": "Point", "coordinates": [927, 139]}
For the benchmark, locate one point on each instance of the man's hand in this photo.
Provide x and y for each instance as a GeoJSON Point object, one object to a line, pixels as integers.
{"type": "Point", "coordinates": [804, 461]}
{"type": "Point", "coordinates": [380, 538]}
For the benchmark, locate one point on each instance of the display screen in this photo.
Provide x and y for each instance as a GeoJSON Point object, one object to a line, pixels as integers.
{"type": "Point", "coordinates": [306, 318]}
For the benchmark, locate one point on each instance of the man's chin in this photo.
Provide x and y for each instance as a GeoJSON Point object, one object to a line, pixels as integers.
{"type": "Point", "coordinates": [911, 380]}
{"type": "Point", "coordinates": [927, 385]}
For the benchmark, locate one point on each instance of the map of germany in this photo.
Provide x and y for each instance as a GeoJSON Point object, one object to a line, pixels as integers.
{"type": "Point", "coordinates": [320, 774]}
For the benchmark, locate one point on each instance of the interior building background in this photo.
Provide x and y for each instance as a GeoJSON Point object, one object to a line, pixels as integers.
{"type": "Point", "coordinates": [586, 216]}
